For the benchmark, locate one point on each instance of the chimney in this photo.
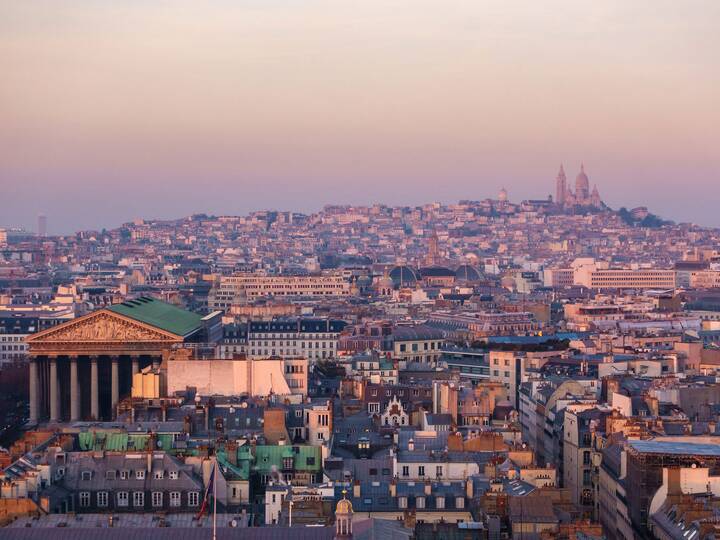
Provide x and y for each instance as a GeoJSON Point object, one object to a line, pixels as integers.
{"type": "Point", "coordinates": [393, 487]}
{"type": "Point", "coordinates": [428, 487]}
{"type": "Point", "coordinates": [409, 519]}
{"type": "Point", "coordinates": [149, 462]}
{"type": "Point", "coordinates": [411, 445]}
{"type": "Point", "coordinates": [207, 418]}
{"type": "Point", "coordinates": [469, 488]}
{"type": "Point", "coordinates": [187, 424]}
{"type": "Point", "coordinates": [356, 489]}
{"type": "Point", "coordinates": [674, 481]}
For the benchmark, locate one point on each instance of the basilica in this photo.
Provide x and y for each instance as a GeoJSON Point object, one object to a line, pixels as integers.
{"type": "Point", "coordinates": [582, 196]}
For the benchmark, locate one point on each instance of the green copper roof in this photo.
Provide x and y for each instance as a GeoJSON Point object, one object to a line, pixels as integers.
{"type": "Point", "coordinates": [160, 315]}
{"type": "Point", "coordinates": [305, 458]}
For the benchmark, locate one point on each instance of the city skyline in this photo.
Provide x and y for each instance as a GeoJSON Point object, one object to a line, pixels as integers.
{"type": "Point", "coordinates": [119, 110]}
{"type": "Point", "coordinates": [586, 195]}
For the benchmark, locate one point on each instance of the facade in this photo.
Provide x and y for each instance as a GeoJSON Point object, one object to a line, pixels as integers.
{"type": "Point", "coordinates": [240, 289]}
{"type": "Point", "coordinates": [600, 277]}
{"type": "Point", "coordinates": [314, 339]}
{"type": "Point", "coordinates": [80, 369]}
{"type": "Point", "coordinates": [237, 376]}
{"type": "Point", "coordinates": [19, 322]}
{"type": "Point", "coordinates": [128, 482]}
{"type": "Point", "coordinates": [419, 344]}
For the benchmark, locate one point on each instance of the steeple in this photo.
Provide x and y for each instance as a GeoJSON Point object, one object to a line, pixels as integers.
{"type": "Point", "coordinates": [561, 187]}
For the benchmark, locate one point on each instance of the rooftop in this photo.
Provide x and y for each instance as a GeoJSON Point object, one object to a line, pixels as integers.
{"type": "Point", "coordinates": [159, 314]}
{"type": "Point", "coordinates": [676, 447]}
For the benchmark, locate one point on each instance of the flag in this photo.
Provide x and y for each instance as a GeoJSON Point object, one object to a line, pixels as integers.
{"type": "Point", "coordinates": [208, 491]}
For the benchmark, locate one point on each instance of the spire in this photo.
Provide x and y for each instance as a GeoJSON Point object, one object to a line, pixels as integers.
{"type": "Point", "coordinates": [562, 170]}
{"type": "Point", "coordinates": [582, 167]}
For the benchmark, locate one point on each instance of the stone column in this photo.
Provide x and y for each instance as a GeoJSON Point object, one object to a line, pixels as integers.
{"type": "Point", "coordinates": [135, 364]}
{"type": "Point", "coordinates": [54, 391]}
{"type": "Point", "coordinates": [94, 389]}
{"type": "Point", "coordinates": [115, 386]}
{"type": "Point", "coordinates": [34, 392]}
{"type": "Point", "coordinates": [74, 390]}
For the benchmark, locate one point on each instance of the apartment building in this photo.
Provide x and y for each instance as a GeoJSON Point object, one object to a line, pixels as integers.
{"type": "Point", "coordinates": [240, 289]}
{"type": "Point", "coordinates": [314, 339]}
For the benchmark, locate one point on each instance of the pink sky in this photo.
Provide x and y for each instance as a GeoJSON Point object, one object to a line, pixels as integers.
{"type": "Point", "coordinates": [115, 109]}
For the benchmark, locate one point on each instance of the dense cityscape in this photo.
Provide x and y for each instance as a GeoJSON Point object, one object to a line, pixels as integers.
{"type": "Point", "coordinates": [535, 369]}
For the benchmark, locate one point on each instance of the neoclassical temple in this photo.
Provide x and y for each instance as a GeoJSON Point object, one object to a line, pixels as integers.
{"type": "Point", "coordinates": [79, 370]}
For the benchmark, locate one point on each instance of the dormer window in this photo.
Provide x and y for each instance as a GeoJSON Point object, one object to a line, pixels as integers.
{"type": "Point", "coordinates": [173, 475]}
{"type": "Point", "coordinates": [140, 474]}
{"type": "Point", "coordinates": [86, 475]}
{"type": "Point", "coordinates": [124, 475]}
{"type": "Point", "coordinates": [159, 475]}
{"type": "Point", "coordinates": [110, 475]}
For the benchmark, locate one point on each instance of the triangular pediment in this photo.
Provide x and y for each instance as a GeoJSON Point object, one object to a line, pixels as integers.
{"type": "Point", "coordinates": [103, 326]}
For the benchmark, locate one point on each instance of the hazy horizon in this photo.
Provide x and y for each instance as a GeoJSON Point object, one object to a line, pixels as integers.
{"type": "Point", "coordinates": [117, 110]}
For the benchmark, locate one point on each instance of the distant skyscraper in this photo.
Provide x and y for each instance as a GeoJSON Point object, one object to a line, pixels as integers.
{"type": "Point", "coordinates": [561, 187]}
{"type": "Point", "coordinates": [42, 225]}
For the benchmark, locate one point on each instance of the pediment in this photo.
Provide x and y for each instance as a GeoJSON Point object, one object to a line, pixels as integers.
{"type": "Point", "coordinates": [103, 326]}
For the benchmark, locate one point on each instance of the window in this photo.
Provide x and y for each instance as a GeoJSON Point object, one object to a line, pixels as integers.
{"type": "Point", "coordinates": [86, 475]}
{"type": "Point", "coordinates": [173, 475]}
{"type": "Point", "coordinates": [459, 502]}
{"type": "Point", "coordinates": [138, 498]}
{"type": "Point", "coordinates": [122, 498]}
{"type": "Point", "coordinates": [140, 474]}
{"type": "Point", "coordinates": [310, 461]}
{"type": "Point", "coordinates": [321, 436]}
{"type": "Point", "coordinates": [421, 470]}
{"type": "Point", "coordinates": [440, 502]}
{"type": "Point", "coordinates": [124, 475]}
{"type": "Point", "coordinates": [102, 499]}
{"type": "Point", "coordinates": [84, 499]}
{"type": "Point", "coordinates": [110, 475]}
{"type": "Point", "coordinates": [438, 470]}
{"type": "Point", "coordinates": [402, 502]}
{"type": "Point", "coordinates": [157, 498]}
{"type": "Point", "coordinates": [406, 470]}
{"type": "Point", "coordinates": [159, 475]}
{"type": "Point", "coordinates": [420, 502]}
{"type": "Point", "coordinates": [174, 498]}
{"type": "Point", "coordinates": [193, 498]}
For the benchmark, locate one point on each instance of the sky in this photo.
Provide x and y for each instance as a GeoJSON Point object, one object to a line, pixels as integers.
{"type": "Point", "coordinates": [112, 110]}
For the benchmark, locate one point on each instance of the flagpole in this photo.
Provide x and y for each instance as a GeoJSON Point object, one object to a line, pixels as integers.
{"type": "Point", "coordinates": [215, 500]}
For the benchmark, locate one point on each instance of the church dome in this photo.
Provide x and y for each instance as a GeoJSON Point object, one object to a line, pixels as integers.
{"type": "Point", "coordinates": [403, 276]}
{"type": "Point", "coordinates": [467, 272]}
{"type": "Point", "coordinates": [503, 195]}
{"type": "Point", "coordinates": [582, 183]}
{"type": "Point", "coordinates": [344, 507]}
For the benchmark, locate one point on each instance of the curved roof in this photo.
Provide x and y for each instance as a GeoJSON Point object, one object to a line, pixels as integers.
{"type": "Point", "coordinates": [467, 272]}
{"type": "Point", "coordinates": [403, 275]}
